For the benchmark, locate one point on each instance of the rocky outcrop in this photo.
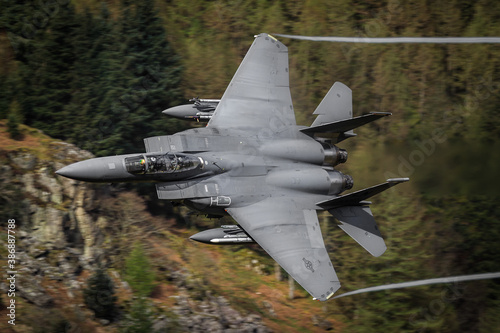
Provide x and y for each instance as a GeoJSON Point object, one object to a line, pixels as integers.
{"type": "Point", "coordinates": [214, 314]}
{"type": "Point", "coordinates": [54, 206]}
{"type": "Point", "coordinates": [56, 235]}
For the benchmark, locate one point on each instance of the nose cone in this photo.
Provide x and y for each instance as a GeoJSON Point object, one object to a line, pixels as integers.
{"type": "Point", "coordinates": [207, 236]}
{"type": "Point", "coordinates": [203, 236]}
{"type": "Point", "coordinates": [181, 111]}
{"type": "Point", "coordinates": [103, 169]}
{"type": "Point", "coordinates": [78, 171]}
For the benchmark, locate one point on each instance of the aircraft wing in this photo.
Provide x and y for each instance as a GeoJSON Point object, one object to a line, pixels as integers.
{"type": "Point", "coordinates": [258, 96]}
{"type": "Point", "coordinates": [292, 237]}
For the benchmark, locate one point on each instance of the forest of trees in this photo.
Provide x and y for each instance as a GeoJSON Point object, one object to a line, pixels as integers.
{"type": "Point", "coordinates": [91, 79]}
{"type": "Point", "coordinates": [98, 74]}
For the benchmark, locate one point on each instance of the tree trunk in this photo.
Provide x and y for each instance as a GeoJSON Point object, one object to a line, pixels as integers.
{"type": "Point", "coordinates": [291, 286]}
{"type": "Point", "coordinates": [277, 271]}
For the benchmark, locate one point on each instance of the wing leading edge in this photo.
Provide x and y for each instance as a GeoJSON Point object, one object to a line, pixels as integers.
{"type": "Point", "coordinates": [292, 237]}
{"type": "Point", "coordinates": [258, 96]}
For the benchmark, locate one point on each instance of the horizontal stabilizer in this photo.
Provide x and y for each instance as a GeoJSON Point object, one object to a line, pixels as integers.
{"type": "Point", "coordinates": [357, 198]}
{"type": "Point", "coordinates": [345, 125]}
{"type": "Point", "coordinates": [358, 222]}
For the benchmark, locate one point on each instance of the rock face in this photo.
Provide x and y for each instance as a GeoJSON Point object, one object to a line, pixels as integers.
{"type": "Point", "coordinates": [214, 314]}
{"type": "Point", "coordinates": [55, 234]}
{"type": "Point", "coordinates": [54, 206]}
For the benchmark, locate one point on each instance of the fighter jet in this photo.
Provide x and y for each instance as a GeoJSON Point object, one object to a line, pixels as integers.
{"type": "Point", "coordinates": [254, 163]}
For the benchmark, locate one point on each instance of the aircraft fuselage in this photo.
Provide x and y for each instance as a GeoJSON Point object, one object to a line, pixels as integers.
{"type": "Point", "coordinates": [210, 170]}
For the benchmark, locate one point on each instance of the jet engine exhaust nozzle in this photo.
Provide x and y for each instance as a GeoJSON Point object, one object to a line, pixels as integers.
{"type": "Point", "coordinates": [342, 156]}
{"type": "Point", "coordinates": [334, 155]}
{"type": "Point", "coordinates": [348, 181]}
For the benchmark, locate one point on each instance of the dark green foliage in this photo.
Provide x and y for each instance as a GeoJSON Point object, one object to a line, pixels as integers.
{"type": "Point", "coordinates": [472, 222]}
{"type": "Point", "coordinates": [138, 78]}
{"type": "Point", "coordinates": [13, 120]}
{"type": "Point", "coordinates": [138, 272]}
{"type": "Point", "coordinates": [139, 319]}
{"type": "Point", "coordinates": [100, 295]}
{"type": "Point", "coordinates": [143, 77]}
{"type": "Point", "coordinates": [93, 77]}
{"type": "Point", "coordinates": [56, 325]}
{"type": "Point", "coordinates": [5, 96]}
{"type": "Point", "coordinates": [93, 80]}
{"type": "Point", "coordinates": [45, 73]}
{"type": "Point", "coordinates": [401, 224]}
{"type": "Point", "coordinates": [47, 321]}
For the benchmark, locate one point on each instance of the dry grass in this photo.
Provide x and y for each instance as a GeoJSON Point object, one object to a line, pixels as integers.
{"type": "Point", "coordinates": [29, 141]}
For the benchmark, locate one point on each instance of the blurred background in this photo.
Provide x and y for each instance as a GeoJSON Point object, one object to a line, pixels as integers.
{"type": "Point", "coordinates": [90, 78]}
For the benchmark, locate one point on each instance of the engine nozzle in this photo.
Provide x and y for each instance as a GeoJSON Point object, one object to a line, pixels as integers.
{"type": "Point", "coordinates": [348, 181]}
{"type": "Point", "coordinates": [334, 155]}
{"type": "Point", "coordinates": [339, 182]}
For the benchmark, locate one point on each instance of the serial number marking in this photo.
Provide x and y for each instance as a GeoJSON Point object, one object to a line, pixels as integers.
{"type": "Point", "coordinates": [11, 264]}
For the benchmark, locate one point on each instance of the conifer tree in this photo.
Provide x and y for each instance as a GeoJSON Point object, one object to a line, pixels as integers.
{"type": "Point", "coordinates": [139, 317]}
{"type": "Point", "coordinates": [5, 96]}
{"type": "Point", "coordinates": [13, 120]}
{"type": "Point", "coordinates": [152, 73]}
{"type": "Point", "coordinates": [138, 271]}
{"type": "Point", "coordinates": [100, 295]}
{"type": "Point", "coordinates": [45, 74]}
{"type": "Point", "coordinates": [139, 75]}
{"type": "Point", "coordinates": [92, 75]}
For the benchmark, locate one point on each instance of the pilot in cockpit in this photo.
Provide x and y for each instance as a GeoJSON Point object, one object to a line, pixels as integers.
{"type": "Point", "coordinates": [152, 165]}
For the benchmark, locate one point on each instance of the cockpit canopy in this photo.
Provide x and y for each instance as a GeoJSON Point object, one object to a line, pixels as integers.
{"type": "Point", "coordinates": [162, 163]}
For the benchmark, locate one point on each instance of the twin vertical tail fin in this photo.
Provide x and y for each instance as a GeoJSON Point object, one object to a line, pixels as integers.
{"type": "Point", "coordinates": [335, 119]}
{"type": "Point", "coordinates": [337, 105]}
{"type": "Point", "coordinates": [335, 123]}
{"type": "Point", "coordinates": [356, 217]}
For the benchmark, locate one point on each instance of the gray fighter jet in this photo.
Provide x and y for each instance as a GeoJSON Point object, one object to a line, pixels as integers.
{"type": "Point", "coordinates": [254, 163]}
